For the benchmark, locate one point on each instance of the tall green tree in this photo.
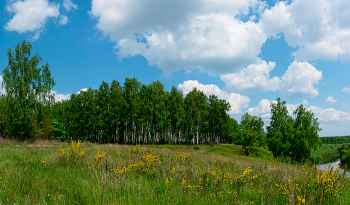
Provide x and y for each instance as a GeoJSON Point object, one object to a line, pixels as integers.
{"type": "Point", "coordinates": [280, 133]}
{"type": "Point", "coordinates": [218, 119]}
{"type": "Point", "coordinates": [196, 106]}
{"type": "Point", "coordinates": [28, 91]}
{"type": "Point", "coordinates": [252, 132]}
{"type": "Point", "coordinates": [306, 137]}
{"type": "Point", "coordinates": [176, 114]}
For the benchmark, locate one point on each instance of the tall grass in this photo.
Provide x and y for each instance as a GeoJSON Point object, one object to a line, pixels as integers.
{"type": "Point", "coordinates": [81, 173]}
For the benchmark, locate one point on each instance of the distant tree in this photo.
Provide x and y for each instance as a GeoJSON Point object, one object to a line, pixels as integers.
{"type": "Point", "coordinates": [58, 130]}
{"type": "Point", "coordinates": [344, 153]}
{"type": "Point", "coordinates": [233, 130]}
{"type": "Point", "coordinates": [218, 119]}
{"type": "Point", "coordinates": [176, 114]}
{"type": "Point", "coordinates": [28, 92]}
{"type": "Point", "coordinates": [306, 137]}
{"type": "Point", "coordinates": [280, 133]}
{"type": "Point", "coordinates": [252, 132]}
{"type": "Point", "coordinates": [196, 103]}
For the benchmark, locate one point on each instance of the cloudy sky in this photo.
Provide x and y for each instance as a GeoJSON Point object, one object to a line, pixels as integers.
{"type": "Point", "coordinates": [248, 52]}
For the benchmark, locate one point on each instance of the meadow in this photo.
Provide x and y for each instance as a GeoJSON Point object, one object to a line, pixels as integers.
{"type": "Point", "coordinates": [52, 172]}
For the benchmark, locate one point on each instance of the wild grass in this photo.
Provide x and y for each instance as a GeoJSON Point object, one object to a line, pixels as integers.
{"type": "Point", "coordinates": [85, 173]}
{"type": "Point", "coordinates": [327, 152]}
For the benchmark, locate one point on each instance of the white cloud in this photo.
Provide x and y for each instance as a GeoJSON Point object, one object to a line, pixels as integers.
{"type": "Point", "coordinates": [68, 5]}
{"type": "Point", "coordinates": [305, 102]}
{"type": "Point", "coordinates": [297, 81]}
{"type": "Point", "coordinates": [199, 34]}
{"type": "Point", "coordinates": [263, 109]}
{"type": "Point", "coordinates": [254, 78]}
{"type": "Point", "coordinates": [329, 114]}
{"type": "Point", "coordinates": [60, 97]}
{"type": "Point", "coordinates": [30, 15]}
{"type": "Point", "coordinates": [236, 100]}
{"type": "Point", "coordinates": [81, 90]}
{"type": "Point", "coordinates": [346, 89]}
{"type": "Point", "coordinates": [2, 89]}
{"type": "Point", "coordinates": [331, 99]}
{"type": "Point", "coordinates": [319, 28]}
{"type": "Point", "coordinates": [63, 20]}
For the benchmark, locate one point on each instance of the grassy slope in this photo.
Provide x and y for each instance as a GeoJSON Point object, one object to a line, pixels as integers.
{"type": "Point", "coordinates": [327, 151]}
{"type": "Point", "coordinates": [164, 174]}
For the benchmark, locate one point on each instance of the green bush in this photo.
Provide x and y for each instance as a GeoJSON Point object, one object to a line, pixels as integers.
{"type": "Point", "coordinates": [58, 132]}
{"type": "Point", "coordinates": [344, 153]}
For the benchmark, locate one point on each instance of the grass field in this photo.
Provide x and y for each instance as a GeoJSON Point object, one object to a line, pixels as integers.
{"type": "Point", "coordinates": [328, 152]}
{"type": "Point", "coordinates": [49, 172]}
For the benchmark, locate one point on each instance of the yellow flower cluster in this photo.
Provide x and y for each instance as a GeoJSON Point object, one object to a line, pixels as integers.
{"type": "Point", "coordinates": [135, 150]}
{"type": "Point", "coordinates": [313, 186]}
{"type": "Point", "coordinates": [144, 164]}
{"type": "Point", "coordinates": [184, 158]}
{"type": "Point", "coordinates": [72, 152]}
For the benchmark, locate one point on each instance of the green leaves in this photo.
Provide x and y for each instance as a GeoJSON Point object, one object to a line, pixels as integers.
{"type": "Point", "coordinates": [295, 138]}
{"type": "Point", "coordinates": [28, 92]}
{"type": "Point", "coordinates": [252, 132]}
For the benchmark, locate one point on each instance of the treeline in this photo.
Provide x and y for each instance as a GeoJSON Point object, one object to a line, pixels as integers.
{"type": "Point", "coordinates": [336, 139]}
{"type": "Point", "coordinates": [135, 113]}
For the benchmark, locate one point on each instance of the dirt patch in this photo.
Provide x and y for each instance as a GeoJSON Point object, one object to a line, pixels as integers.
{"type": "Point", "coordinates": [38, 145]}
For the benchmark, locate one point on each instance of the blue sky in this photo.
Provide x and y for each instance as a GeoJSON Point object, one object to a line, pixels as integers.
{"type": "Point", "coordinates": [247, 52]}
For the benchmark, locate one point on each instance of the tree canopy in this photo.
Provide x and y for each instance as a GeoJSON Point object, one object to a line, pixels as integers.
{"type": "Point", "coordinates": [28, 92]}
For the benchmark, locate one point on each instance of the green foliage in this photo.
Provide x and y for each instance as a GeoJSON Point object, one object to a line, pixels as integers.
{"type": "Point", "coordinates": [252, 132]}
{"type": "Point", "coordinates": [105, 175]}
{"type": "Point", "coordinates": [28, 92]}
{"type": "Point", "coordinates": [335, 139]}
{"type": "Point", "coordinates": [306, 137]}
{"type": "Point", "coordinates": [280, 132]}
{"type": "Point", "coordinates": [292, 138]}
{"type": "Point", "coordinates": [344, 153]}
{"type": "Point", "coordinates": [58, 130]}
{"type": "Point", "coordinates": [196, 148]}
{"type": "Point", "coordinates": [196, 107]}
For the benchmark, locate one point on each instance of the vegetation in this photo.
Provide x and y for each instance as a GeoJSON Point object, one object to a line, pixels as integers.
{"type": "Point", "coordinates": [134, 113]}
{"type": "Point", "coordinates": [28, 94]}
{"type": "Point", "coordinates": [84, 173]}
{"type": "Point", "coordinates": [327, 152]}
{"type": "Point", "coordinates": [335, 139]}
{"type": "Point", "coordinates": [293, 138]}
{"type": "Point", "coordinates": [159, 172]}
{"type": "Point", "coordinates": [252, 133]}
{"type": "Point", "coordinates": [344, 153]}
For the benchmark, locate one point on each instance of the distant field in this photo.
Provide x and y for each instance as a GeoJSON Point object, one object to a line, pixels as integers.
{"type": "Point", "coordinates": [49, 172]}
{"type": "Point", "coordinates": [327, 151]}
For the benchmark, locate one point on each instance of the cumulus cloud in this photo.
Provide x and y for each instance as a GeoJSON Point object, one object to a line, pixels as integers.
{"type": "Point", "coordinates": [254, 78]}
{"type": "Point", "coordinates": [60, 97]}
{"type": "Point", "coordinates": [305, 102]}
{"type": "Point", "coordinates": [199, 34]}
{"type": "Point", "coordinates": [63, 20]}
{"type": "Point", "coordinates": [2, 89]}
{"type": "Point", "coordinates": [329, 114]}
{"type": "Point", "coordinates": [331, 99]}
{"type": "Point", "coordinates": [81, 90]}
{"type": "Point", "coordinates": [346, 89]}
{"type": "Point", "coordinates": [319, 28]}
{"type": "Point", "coordinates": [297, 81]}
{"type": "Point", "coordinates": [263, 109]}
{"type": "Point", "coordinates": [30, 15]}
{"type": "Point", "coordinates": [69, 5]}
{"type": "Point", "coordinates": [236, 100]}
